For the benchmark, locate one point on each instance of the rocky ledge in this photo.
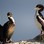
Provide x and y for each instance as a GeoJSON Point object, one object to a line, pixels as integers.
{"type": "Point", "coordinates": [39, 39]}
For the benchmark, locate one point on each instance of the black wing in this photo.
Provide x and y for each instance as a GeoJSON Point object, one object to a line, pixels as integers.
{"type": "Point", "coordinates": [1, 33]}
{"type": "Point", "coordinates": [1, 29]}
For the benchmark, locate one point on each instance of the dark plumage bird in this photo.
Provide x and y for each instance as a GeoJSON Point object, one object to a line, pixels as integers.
{"type": "Point", "coordinates": [40, 19]}
{"type": "Point", "coordinates": [1, 33]}
{"type": "Point", "coordinates": [8, 27]}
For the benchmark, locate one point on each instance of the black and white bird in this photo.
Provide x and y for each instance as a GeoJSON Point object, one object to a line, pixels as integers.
{"type": "Point", "coordinates": [8, 28]}
{"type": "Point", "coordinates": [39, 17]}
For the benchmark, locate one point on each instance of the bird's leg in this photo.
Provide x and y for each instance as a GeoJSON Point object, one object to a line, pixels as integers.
{"type": "Point", "coordinates": [10, 41]}
{"type": "Point", "coordinates": [7, 41]}
{"type": "Point", "coordinates": [42, 33]}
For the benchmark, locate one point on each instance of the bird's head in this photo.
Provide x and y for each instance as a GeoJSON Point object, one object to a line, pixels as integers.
{"type": "Point", "coordinates": [11, 19]}
{"type": "Point", "coordinates": [39, 7]}
{"type": "Point", "coordinates": [9, 14]}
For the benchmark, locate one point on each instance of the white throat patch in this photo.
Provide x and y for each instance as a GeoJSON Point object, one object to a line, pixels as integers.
{"type": "Point", "coordinates": [12, 19]}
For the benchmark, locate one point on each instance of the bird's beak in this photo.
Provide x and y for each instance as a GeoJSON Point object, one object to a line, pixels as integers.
{"type": "Point", "coordinates": [37, 8]}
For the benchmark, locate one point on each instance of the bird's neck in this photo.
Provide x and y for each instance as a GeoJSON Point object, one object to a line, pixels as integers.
{"type": "Point", "coordinates": [11, 19]}
{"type": "Point", "coordinates": [38, 12]}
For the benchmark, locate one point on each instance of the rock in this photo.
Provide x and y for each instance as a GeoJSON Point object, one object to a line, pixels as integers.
{"type": "Point", "coordinates": [24, 42]}
{"type": "Point", "coordinates": [39, 38]}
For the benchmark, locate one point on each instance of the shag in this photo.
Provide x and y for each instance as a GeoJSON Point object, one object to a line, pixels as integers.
{"type": "Point", "coordinates": [8, 28]}
{"type": "Point", "coordinates": [39, 8]}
